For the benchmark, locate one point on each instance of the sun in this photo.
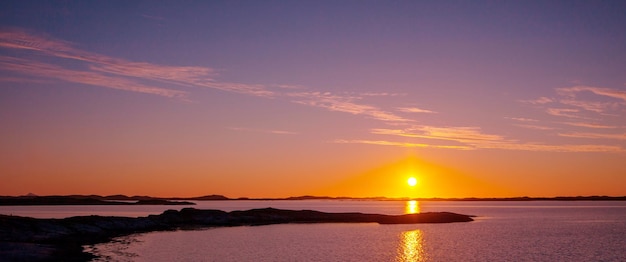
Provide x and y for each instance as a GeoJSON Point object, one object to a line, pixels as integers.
{"type": "Point", "coordinates": [412, 181]}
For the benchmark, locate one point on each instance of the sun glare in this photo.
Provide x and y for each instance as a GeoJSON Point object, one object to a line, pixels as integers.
{"type": "Point", "coordinates": [412, 181]}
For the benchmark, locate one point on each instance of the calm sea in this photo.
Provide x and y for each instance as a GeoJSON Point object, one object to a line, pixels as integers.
{"type": "Point", "coordinates": [503, 231]}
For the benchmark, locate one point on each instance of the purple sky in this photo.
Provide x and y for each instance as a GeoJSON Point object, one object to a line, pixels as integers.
{"type": "Point", "coordinates": [279, 98]}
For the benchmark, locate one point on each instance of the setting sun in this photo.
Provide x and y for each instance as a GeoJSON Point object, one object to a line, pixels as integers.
{"type": "Point", "coordinates": [412, 181]}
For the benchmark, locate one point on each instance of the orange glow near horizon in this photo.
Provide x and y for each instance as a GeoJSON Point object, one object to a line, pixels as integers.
{"type": "Point", "coordinates": [391, 180]}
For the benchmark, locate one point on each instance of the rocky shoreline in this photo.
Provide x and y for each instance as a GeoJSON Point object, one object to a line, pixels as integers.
{"type": "Point", "coordinates": [31, 239]}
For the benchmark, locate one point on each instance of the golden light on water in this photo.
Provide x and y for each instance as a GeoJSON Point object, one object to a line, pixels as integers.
{"type": "Point", "coordinates": [412, 207]}
{"type": "Point", "coordinates": [411, 246]}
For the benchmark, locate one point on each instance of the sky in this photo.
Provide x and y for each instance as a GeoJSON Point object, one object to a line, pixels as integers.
{"type": "Point", "coordinates": [327, 98]}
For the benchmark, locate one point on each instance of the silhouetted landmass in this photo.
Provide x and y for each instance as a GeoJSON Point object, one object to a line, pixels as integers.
{"type": "Point", "coordinates": [560, 198]}
{"type": "Point", "coordinates": [147, 200]}
{"type": "Point", "coordinates": [31, 239]}
{"type": "Point", "coordinates": [80, 200]}
{"type": "Point", "coordinates": [209, 197]}
{"type": "Point", "coordinates": [162, 202]}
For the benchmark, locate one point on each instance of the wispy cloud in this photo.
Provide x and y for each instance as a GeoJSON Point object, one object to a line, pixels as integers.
{"type": "Point", "coordinates": [499, 146]}
{"type": "Point", "coordinates": [539, 101]}
{"type": "Point", "coordinates": [602, 91]}
{"type": "Point", "coordinates": [32, 53]}
{"type": "Point", "coordinates": [589, 125]}
{"type": "Point", "coordinates": [121, 74]}
{"type": "Point", "coordinates": [379, 94]}
{"type": "Point", "coordinates": [564, 112]}
{"type": "Point", "coordinates": [399, 144]}
{"type": "Point", "coordinates": [293, 87]}
{"type": "Point", "coordinates": [459, 134]}
{"type": "Point", "coordinates": [535, 127]}
{"type": "Point", "coordinates": [522, 119]}
{"type": "Point", "coordinates": [32, 68]}
{"type": "Point", "coordinates": [414, 110]}
{"type": "Point", "coordinates": [105, 68]}
{"type": "Point", "coordinates": [597, 107]}
{"type": "Point", "coordinates": [595, 135]}
{"type": "Point", "coordinates": [473, 138]}
{"type": "Point", "coordinates": [556, 148]}
{"type": "Point", "coordinates": [526, 124]}
{"type": "Point", "coordinates": [601, 105]}
{"type": "Point", "coordinates": [344, 104]}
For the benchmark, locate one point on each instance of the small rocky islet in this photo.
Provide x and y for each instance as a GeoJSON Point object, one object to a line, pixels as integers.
{"type": "Point", "coordinates": [33, 239]}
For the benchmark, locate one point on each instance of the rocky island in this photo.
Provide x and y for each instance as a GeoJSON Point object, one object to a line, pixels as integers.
{"type": "Point", "coordinates": [84, 200]}
{"type": "Point", "coordinates": [31, 239]}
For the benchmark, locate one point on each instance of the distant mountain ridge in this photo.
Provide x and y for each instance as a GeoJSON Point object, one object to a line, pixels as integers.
{"type": "Point", "coordinates": [84, 200]}
{"type": "Point", "coordinates": [32, 199]}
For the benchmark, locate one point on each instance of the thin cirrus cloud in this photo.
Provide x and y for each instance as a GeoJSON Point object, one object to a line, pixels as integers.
{"type": "Point", "coordinates": [344, 104]}
{"type": "Point", "coordinates": [539, 101]}
{"type": "Point", "coordinates": [32, 53]}
{"type": "Point", "coordinates": [535, 127]}
{"type": "Point", "coordinates": [601, 91]}
{"type": "Point", "coordinates": [27, 67]}
{"type": "Point", "coordinates": [472, 138]}
{"type": "Point", "coordinates": [576, 100]}
{"type": "Point", "coordinates": [414, 110]}
{"type": "Point", "coordinates": [467, 135]}
{"type": "Point", "coordinates": [597, 107]}
{"type": "Point", "coordinates": [524, 122]}
{"type": "Point", "coordinates": [121, 74]}
{"type": "Point", "coordinates": [595, 136]}
{"type": "Point", "coordinates": [522, 119]}
{"type": "Point", "coordinates": [555, 148]}
{"type": "Point", "coordinates": [399, 144]}
{"type": "Point", "coordinates": [499, 146]}
{"type": "Point", "coordinates": [589, 125]}
{"type": "Point", "coordinates": [587, 107]}
{"type": "Point", "coordinates": [113, 69]}
{"type": "Point", "coordinates": [563, 112]}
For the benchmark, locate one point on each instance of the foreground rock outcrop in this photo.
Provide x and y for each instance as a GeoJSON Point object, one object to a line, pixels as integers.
{"type": "Point", "coordinates": [31, 239]}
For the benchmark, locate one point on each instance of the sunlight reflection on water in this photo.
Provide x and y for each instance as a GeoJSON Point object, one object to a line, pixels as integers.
{"type": "Point", "coordinates": [412, 207]}
{"type": "Point", "coordinates": [411, 246]}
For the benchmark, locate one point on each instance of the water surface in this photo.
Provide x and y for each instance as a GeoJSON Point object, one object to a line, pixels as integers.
{"type": "Point", "coordinates": [504, 231]}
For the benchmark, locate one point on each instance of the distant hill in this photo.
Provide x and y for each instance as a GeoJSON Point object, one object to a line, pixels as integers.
{"type": "Point", "coordinates": [209, 197]}
{"type": "Point", "coordinates": [79, 200]}
{"type": "Point", "coordinates": [32, 199]}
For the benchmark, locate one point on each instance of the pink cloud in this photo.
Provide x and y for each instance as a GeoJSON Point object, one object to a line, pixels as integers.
{"type": "Point", "coordinates": [338, 103]}
{"type": "Point", "coordinates": [564, 112]}
{"type": "Point", "coordinates": [459, 134]}
{"type": "Point", "coordinates": [38, 69]}
{"type": "Point", "coordinates": [414, 110]}
{"type": "Point", "coordinates": [472, 138]}
{"type": "Point", "coordinates": [602, 91]}
{"type": "Point", "coordinates": [589, 125]}
{"type": "Point", "coordinates": [595, 136]}
{"type": "Point", "coordinates": [539, 101]}
{"type": "Point", "coordinates": [535, 127]}
{"type": "Point", "coordinates": [105, 67]}
{"type": "Point", "coordinates": [399, 144]}
{"type": "Point", "coordinates": [522, 119]}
